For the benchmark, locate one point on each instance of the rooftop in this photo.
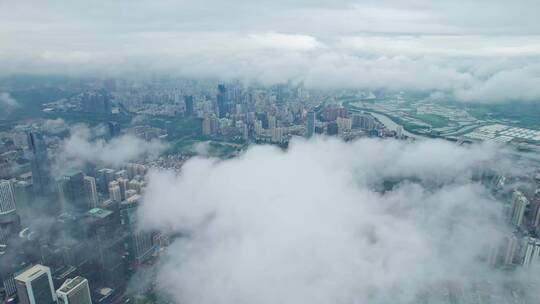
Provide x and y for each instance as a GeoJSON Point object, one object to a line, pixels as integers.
{"type": "Point", "coordinates": [31, 273]}
{"type": "Point", "coordinates": [98, 212]}
{"type": "Point", "coordinates": [69, 284]}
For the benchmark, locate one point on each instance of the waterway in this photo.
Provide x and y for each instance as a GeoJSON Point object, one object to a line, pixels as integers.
{"type": "Point", "coordinates": [391, 125]}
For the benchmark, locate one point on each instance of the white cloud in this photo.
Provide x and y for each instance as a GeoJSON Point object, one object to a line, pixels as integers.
{"type": "Point", "coordinates": [202, 148]}
{"type": "Point", "coordinates": [520, 84]}
{"type": "Point", "coordinates": [81, 147]}
{"type": "Point", "coordinates": [307, 226]}
{"type": "Point", "coordinates": [283, 41]}
{"type": "Point", "coordinates": [7, 101]}
{"type": "Point", "coordinates": [456, 46]}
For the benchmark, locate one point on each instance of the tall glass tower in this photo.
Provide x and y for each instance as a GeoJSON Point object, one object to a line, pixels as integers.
{"type": "Point", "coordinates": [40, 164]}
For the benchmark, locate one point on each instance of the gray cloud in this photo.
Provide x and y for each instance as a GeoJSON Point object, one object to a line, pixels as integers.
{"type": "Point", "coordinates": [307, 226]}
{"type": "Point", "coordinates": [412, 45]}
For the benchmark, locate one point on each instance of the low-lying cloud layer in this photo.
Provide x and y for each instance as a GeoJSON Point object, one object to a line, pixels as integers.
{"type": "Point", "coordinates": [474, 51]}
{"type": "Point", "coordinates": [311, 225]}
{"type": "Point", "coordinates": [82, 147]}
{"type": "Point", "coordinates": [7, 102]}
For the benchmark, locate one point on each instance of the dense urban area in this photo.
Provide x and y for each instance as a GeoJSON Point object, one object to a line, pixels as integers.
{"type": "Point", "coordinates": [68, 230]}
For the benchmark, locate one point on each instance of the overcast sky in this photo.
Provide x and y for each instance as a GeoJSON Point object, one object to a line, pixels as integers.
{"type": "Point", "coordinates": [485, 51]}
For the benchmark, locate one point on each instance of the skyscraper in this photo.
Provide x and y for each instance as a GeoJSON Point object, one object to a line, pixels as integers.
{"type": "Point", "coordinates": [123, 183]}
{"type": "Point", "coordinates": [510, 249]}
{"type": "Point", "coordinates": [139, 243]}
{"type": "Point", "coordinates": [115, 192]}
{"type": "Point", "coordinates": [222, 101]}
{"type": "Point", "coordinates": [24, 197]}
{"type": "Point", "coordinates": [103, 232]}
{"type": "Point", "coordinates": [74, 291]}
{"type": "Point", "coordinates": [9, 220]}
{"type": "Point", "coordinates": [73, 191]}
{"type": "Point", "coordinates": [40, 164]}
{"type": "Point", "coordinates": [188, 100]}
{"type": "Point", "coordinates": [535, 212]}
{"type": "Point", "coordinates": [104, 177]}
{"type": "Point", "coordinates": [7, 198]}
{"type": "Point", "coordinates": [35, 286]}
{"type": "Point", "coordinates": [532, 252]}
{"type": "Point", "coordinates": [91, 191]}
{"type": "Point", "coordinates": [310, 128]}
{"type": "Point", "coordinates": [519, 206]}
{"type": "Point", "coordinates": [114, 129]}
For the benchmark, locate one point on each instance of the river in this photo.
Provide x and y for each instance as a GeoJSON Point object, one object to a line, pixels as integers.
{"type": "Point", "coordinates": [391, 125]}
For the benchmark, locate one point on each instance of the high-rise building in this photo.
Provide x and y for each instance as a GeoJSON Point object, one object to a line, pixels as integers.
{"type": "Point", "coordinates": [9, 220]}
{"type": "Point", "coordinates": [72, 191]}
{"type": "Point", "coordinates": [310, 128]}
{"type": "Point", "coordinates": [115, 193]}
{"type": "Point", "coordinates": [7, 198]}
{"type": "Point", "coordinates": [91, 191]}
{"type": "Point", "coordinates": [532, 252]}
{"type": "Point", "coordinates": [506, 253]}
{"type": "Point", "coordinates": [135, 185]}
{"type": "Point", "coordinates": [121, 174]}
{"type": "Point", "coordinates": [210, 125]}
{"type": "Point", "coordinates": [103, 232]}
{"type": "Point", "coordinates": [134, 170]}
{"type": "Point", "coordinates": [40, 164]}
{"type": "Point", "coordinates": [222, 101]}
{"type": "Point", "coordinates": [114, 129]}
{"type": "Point", "coordinates": [263, 118]}
{"type": "Point", "coordinates": [24, 197]}
{"type": "Point", "coordinates": [332, 128]}
{"type": "Point", "coordinates": [519, 206]}
{"type": "Point", "coordinates": [188, 100]}
{"type": "Point", "coordinates": [331, 113]}
{"type": "Point", "coordinates": [510, 249]}
{"type": "Point", "coordinates": [535, 212]}
{"type": "Point", "coordinates": [74, 291]}
{"type": "Point", "coordinates": [130, 193]}
{"type": "Point", "coordinates": [278, 135]}
{"type": "Point", "coordinates": [344, 124]}
{"type": "Point", "coordinates": [104, 177]}
{"type": "Point", "coordinates": [96, 102]}
{"type": "Point", "coordinates": [123, 183]}
{"type": "Point", "coordinates": [282, 92]}
{"type": "Point", "coordinates": [363, 121]}
{"type": "Point", "coordinates": [35, 286]}
{"type": "Point", "coordinates": [140, 244]}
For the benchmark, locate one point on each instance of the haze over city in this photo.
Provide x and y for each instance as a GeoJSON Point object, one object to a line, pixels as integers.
{"type": "Point", "coordinates": [202, 152]}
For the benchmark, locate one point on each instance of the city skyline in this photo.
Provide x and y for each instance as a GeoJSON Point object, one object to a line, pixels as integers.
{"type": "Point", "coordinates": [293, 152]}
